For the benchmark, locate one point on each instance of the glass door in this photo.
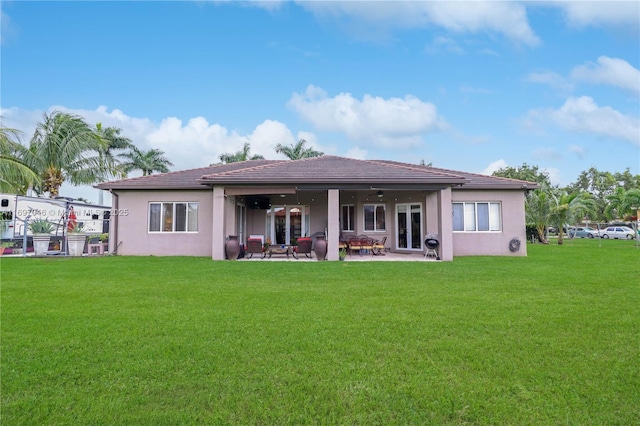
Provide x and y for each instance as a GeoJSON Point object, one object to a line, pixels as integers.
{"type": "Point", "coordinates": [286, 224]}
{"type": "Point", "coordinates": [409, 226]}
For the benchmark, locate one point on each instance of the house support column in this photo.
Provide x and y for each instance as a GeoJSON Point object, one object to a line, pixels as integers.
{"type": "Point", "coordinates": [445, 225]}
{"type": "Point", "coordinates": [440, 220]}
{"type": "Point", "coordinates": [218, 222]}
{"type": "Point", "coordinates": [333, 223]}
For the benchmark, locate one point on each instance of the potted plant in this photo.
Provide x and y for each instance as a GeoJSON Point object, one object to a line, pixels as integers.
{"type": "Point", "coordinates": [41, 229]}
{"type": "Point", "coordinates": [4, 246]}
{"type": "Point", "coordinates": [76, 239]}
{"type": "Point", "coordinates": [342, 253]}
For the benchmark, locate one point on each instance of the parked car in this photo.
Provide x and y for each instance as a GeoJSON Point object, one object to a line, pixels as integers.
{"type": "Point", "coordinates": [584, 232]}
{"type": "Point", "coordinates": [618, 232]}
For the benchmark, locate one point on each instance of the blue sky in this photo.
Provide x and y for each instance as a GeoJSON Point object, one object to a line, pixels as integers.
{"type": "Point", "coordinates": [470, 86]}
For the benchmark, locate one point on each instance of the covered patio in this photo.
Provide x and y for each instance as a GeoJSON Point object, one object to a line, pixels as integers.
{"type": "Point", "coordinates": [338, 198]}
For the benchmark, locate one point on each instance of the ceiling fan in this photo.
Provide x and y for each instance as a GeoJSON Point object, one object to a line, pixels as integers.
{"type": "Point", "coordinates": [379, 193]}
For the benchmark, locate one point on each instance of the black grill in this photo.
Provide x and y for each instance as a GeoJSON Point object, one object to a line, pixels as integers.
{"type": "Point", "coordinates": [431, 245]}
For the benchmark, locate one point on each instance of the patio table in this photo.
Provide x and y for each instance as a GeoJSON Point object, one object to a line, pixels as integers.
{"type": "Point", "coordinates": [281, 250]}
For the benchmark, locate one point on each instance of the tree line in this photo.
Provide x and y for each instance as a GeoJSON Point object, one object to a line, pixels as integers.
{"type": "Point", "coordinates": [596, 196]}
{"type": "Point", "coordinates": [64, 148]}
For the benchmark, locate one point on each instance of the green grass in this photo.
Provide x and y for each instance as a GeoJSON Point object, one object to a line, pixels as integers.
{"type": "Point", "coordinates": [553, 338]}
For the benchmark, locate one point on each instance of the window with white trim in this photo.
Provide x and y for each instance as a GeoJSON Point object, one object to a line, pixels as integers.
{"type": "Point", "coordinates": [173, 217]}
{"type": "Point", "coordinates": [375, 217]}
{"type": "Point", "coordinates": [347, 217]}
{"type": "Point", "coordinates": [477, 217]}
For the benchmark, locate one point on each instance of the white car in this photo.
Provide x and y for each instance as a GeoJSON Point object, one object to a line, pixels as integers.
{"type": "Point", "coordinates": [618, 232]}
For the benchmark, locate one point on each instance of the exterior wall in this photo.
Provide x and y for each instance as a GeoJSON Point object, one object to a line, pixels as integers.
{"type": "Point", "coordinates": [134, 238]}
{"type": "Point", "coordinates": [493, 243]}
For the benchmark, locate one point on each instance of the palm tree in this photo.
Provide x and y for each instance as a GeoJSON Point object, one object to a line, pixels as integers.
{"type": "Point", "coordinates": [113, 141]}
{"type": "Point", "coordinates": [242, 155]}
{"type": "Point", "coordinates": [15, 174]}
{"type": "Point", "coordinates": [297, 151]}
{"type": "Point", "coordinates": [566, 207]}
{"type": "Point", "coordinates": [112, 138]}
{"type": "Point", "coordinates": [538, 211]}
{"type": "Point", "coordinates": [148, 162]}
{"type": "Point", "coordinates": [620, 203]}
{"type": "Point", "coordinates": [64, 148]}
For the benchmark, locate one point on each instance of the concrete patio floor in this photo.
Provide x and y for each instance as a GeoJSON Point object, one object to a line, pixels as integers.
{"type": "Point", "coordinates": [387, 257]}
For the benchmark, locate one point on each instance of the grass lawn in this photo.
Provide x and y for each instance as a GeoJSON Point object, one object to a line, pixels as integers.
{"type": "Point", "coordinates": [553, 338]}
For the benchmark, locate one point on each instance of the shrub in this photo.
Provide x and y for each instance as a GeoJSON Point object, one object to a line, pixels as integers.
{"type": "Point", "coordinates": [41, 226]}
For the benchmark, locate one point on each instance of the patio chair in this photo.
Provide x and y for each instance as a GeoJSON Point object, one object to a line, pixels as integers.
{"type": "Point", "coordinates": [378, 247]}
{"type": "Point", "coordinates": [366, 245]}
{"type": "Point", "coordinates": [304, 246]}
{"type": "Point", "coordinates": [254, 246]}
{"type": "Point", "coordinates": [354, 244]}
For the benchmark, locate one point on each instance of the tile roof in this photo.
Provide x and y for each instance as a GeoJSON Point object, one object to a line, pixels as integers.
{"type": "Point", "coordinates": [334, 172]}
{"type": "Point", "coordinates": [326, 171]}
{"type": "Point", "coordinates": [479, 181]}
{"type": "Point", "coordinates": [183, 179]}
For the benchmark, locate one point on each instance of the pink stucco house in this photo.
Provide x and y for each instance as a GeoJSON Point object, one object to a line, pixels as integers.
{"type": "Point", "coordinates": [192, 212]}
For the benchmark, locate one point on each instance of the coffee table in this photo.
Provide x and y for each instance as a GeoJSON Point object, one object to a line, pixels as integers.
{"type": "Point", "coordinates": [281, 250]}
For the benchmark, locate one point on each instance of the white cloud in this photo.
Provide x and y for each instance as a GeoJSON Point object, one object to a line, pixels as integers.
{"type": "Point", "coordinates": [613, 13]}
{"type": "Point", "coordinates": [506, 18]}
{"type": "Point", "coordinates": [392, 122]}
{"type": "Point", "coordinates": [495, 166]}
{"type": "Point", "coordinates": [583, 115]}
{"type": "Point", "coordinates": [614, 71]}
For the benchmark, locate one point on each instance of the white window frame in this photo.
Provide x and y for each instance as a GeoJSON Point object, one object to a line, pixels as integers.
{"type": "Point", "coordinates": [190, 224]}
{"type": "Point", "coordinates": [375, 217]}
{"type": "Point", "coordinates": [470, 221]}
